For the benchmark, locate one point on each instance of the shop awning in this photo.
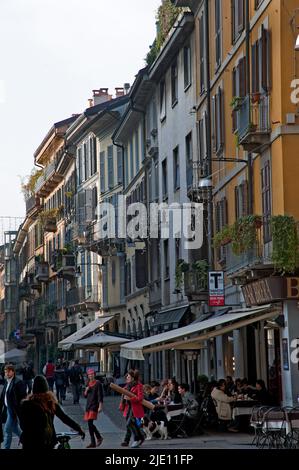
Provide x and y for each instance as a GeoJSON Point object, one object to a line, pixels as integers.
{"type": "Point", "coordinates": [100, 340]}
{"type": "Point", "coordinates": [170, 317]}
{"type": "Point", "coordinates": [196, 332]}
{"type": "Point", "coordinates": [85, 331]}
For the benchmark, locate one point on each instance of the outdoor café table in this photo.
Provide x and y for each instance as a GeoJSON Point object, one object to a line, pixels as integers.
{"type": "Point", "coordinates": [173, 409]}
{"type": "Point", "coordinates": [243, 407]}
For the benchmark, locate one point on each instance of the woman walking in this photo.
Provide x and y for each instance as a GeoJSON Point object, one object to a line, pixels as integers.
{"type": "Point", "coordinates": [94, 405]}
{"type": "Point", "coordinates": [37, 414]}
{"type": "Point", "coordinates": [133, 409]}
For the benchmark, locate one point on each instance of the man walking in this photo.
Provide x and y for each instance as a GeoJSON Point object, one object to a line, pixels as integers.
{"type": "Point", "coordinates": [49, 372]}
{"type": "Point", "coordinates": [12, 394]}
{"type": "Point", "coordinates": [28, 376]}
{"type": "Point", "coordinates": [76, 379]}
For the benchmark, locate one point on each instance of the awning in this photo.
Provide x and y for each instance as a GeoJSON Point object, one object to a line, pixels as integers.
{"type": "Point", "coordinates": [100, 340]}
{"type": "Point", "coordinates": [170, 317]}
{"type": "Point", "coordinates": [196, 332]}
{"type": "Point", "coordinates": [14, 355]}
{"type": "Point", "coordinates": [85, 331]}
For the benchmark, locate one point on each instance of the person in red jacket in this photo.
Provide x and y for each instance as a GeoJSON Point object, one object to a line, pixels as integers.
{"type": "Point", "coordinates": [133, 410]}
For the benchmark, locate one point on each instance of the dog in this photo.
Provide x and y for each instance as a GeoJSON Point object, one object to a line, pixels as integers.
{"type": "Point", "coordinates": [151, 428]}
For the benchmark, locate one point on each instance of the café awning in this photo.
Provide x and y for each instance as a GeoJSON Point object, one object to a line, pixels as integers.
{"type": "Point", "coordinates": [196, 333]}
{"type": "Point", "coordinates": [87, 330]}
{"type": "Point", "coordinates": [100, 340]}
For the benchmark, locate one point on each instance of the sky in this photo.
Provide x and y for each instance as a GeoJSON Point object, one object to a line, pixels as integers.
{"type": "Point", "coordinates": [53, 53]}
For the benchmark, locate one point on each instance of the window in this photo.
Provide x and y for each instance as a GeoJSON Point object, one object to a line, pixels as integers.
{"type": "Point", "coordinates": [266, 200]}
{"type": "Point", "coordinates": [176, 169]}
{"type": "Point", "coordinates": [202, 64]}
{"type": "Point", "coordinates": [221, 221]}
{"type": "Point", "coordinates": [202, 138]}
{"type": "Point", "coordinates": [102, 172]}
{"type": "Point", "coordinates": [265, 58]}
{"type": "Point", "coordinates": [189, 159]}
{"type": "Point", "coordinates": [166, 259]}
{"type": "Point", "coordinates": [131, 160]}
{"type": "Point", "coordinates": [218, 33]}
{"type": "Point", "coordinates": [187, 66]}
{"type": "Point", "coordinates": [241, 200]}
{"type": "Point", "coordinates": [164, 178]}
{"type": "Point", "coordinates": [93, 149]}
{"type": "Point", "coordinates": [258, 3]}
{"type": "Point", "coordinates": [110, 167]}
{"type": "Point", "coordinates": [85, 156]}
{"type": "Point", "coordinates": [255, 70]}
{"type": "Point", "coordinates": [238, 20]}
{"type": "Point", "coordinates": [239, 88]}
{"type": "Point", "coordinates": [113, 272]}
{"type": "Point", "coordinates": [94, 202]}
{"type": "Point", "coordinates": [162, 100]}
{"type": "Point", "coordinates": [174, 82]}
{"type": "Point", "coordinates": [79, 166]}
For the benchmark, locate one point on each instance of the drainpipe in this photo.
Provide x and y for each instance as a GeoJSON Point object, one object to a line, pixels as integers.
{"type": "Point", "coordinates": [249, 157]}
{"type": "Point", "coordinates": [209, 139]}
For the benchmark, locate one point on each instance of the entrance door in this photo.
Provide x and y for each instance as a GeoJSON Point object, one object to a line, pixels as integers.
{"type": "Point", "coordinates": [274, 363]}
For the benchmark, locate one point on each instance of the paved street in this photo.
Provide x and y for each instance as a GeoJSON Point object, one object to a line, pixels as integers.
{"type": "Point", "coordinates": [112, 426]}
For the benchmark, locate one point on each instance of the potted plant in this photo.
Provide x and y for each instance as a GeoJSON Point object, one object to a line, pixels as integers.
{"type": "Point", "coordinates": [223, 237]}
{"type": "Point", "coordinates": [181, 267]}
{"type": "Point", "coordinates": [236, 103]}
{"type": "Point", "coordinates": [200, 267]}
{"type": "Point", "coordinates": [244, 233]}
{"type": "Point", "coordinates": [285, 243]}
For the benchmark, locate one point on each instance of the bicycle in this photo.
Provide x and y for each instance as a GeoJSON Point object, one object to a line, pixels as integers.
{"type": "Point", "coordinates": [64, 438]}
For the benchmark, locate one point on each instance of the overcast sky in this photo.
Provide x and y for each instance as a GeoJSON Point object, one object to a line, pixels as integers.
{"type": "Point", "coordinates": [53, 53]}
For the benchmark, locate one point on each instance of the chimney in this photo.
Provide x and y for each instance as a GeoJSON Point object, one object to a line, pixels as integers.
{"type": "Point", "coordinates": [119, 91]}
{"type": "Point", "coordinates": [100, 96]}
{"type": "Point", "coordinates": [127, 87]}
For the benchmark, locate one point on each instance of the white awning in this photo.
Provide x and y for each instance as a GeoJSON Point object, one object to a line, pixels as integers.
{"type": "Point", "coordinates": [85, 331]}
{"type": "Point", "coordinates": [175, 339]}
{"type": "Point", "coordinates": [100, 340]}
{"type": "Point", "coordinates": [14, 355]}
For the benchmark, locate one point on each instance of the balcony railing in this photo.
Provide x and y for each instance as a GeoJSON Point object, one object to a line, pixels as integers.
{"type": "Point", "coordinates": [32, 202]}
{"type": "Point", "coordinates": [42, 271]}
{"type": "Point", "coordinates": [50, 177]}
{"type": "Point", "coordinates": [252, 259]}
{"type": "Point", "coordinates": [254, 121]}
{"type": "Point", "coordinates": [82, 295]}
{"type": "Point", "coordinates": [195, 284]}
{"type": "Point", "coordinates": [24, 291]}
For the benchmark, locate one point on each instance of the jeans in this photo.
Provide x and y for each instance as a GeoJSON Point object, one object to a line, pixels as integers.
{"type": "Point", "coordinates": [11, 426]}
{"type": "Point", "coordinates": [76, 389]}
{"type": "Point", "coordinates": [50, 381]}
{"type": "Point", "coordinates": [133, 428]}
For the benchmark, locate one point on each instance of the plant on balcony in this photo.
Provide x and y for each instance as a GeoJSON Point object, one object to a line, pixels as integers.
{"type": "Point", "coordinates": [201, 269]}
{"type": "Point", "coordinates": [244, 233]}
{"type": "Point", "coordinates": [166, 16]}
{"type": "Point", "coordinates": [69, 194]}
{"type": "Point", "coordinates": [236, 102]}
{"type": "Point", "coordinates": [285, 243]}
{"type": "Point", "coordinates": [28, 183]}
{"type": "Point", "coordinates": [46, 216]}
{"type": "Point", "coordinates": [223, 237]}
{"type": "Point", "coordinates": [181, 267]}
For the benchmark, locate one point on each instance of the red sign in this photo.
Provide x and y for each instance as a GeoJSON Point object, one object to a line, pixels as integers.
{"type": "Point", "coordinates": [217, 301]}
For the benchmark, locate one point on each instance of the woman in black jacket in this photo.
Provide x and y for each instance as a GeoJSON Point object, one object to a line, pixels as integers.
{"type": "Point", "coordinates": [94, 405]}
{"type": "Point", "coordinates": [37, 414]}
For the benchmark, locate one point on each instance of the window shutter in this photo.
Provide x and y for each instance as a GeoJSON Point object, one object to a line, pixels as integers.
{"type": "Point", "coordinates": [94, 147]}
{"type": "Point", "coordinates": [225, 211]}
{"type": "Point", "coordinates": [233, 21]}
{"type": "Point", "coordinates": [110, 167]}
{"type": "Point", "coordinates": [122, 279]}
{"type": "Point", "coordinates": [254, 69]}
{"type": "Point", "coordinates": [242, 77]}
{"type": "Point", "coordinates": [234, 93]}
{"type": "Point", "coordinates": [141, 269]}
{"type": "Point", "coordinates": [94, 202]}
{"type": "Point", "coordinates": [218, 224]}
{"type": "Point", "coordinates": [244, 192]}
{"type": "Point", "coordinates": [221, 116]}
{"type": "Point", "coordinates": [214, 123]}
{"type": "Point", "coordinates": [79, 163]}
{"type": "Point", "coordinates": [240, 15]}
{"type": "Point", "coordinates": [119, 165]}
{"type": "Point", "coordinates": [237, 211]}
{"type": "Point", "coordinates": [102, 172]}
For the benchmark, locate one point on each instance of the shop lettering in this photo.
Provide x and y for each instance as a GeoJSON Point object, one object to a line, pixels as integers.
{"type": "Point", "coordinates": [293, 287]}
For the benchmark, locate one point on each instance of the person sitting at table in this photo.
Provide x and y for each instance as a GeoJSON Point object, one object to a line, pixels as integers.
{"type": "Point", "coordinates": [261, 394]}
{"type": "Point", "coordinates": [223, 407]}
{"type": "Point", "coordinates": [190, 408]}
{"type": "Point", "coordinates": [247, 389]}
{"type": "Point", "coordinates": [173, 391]}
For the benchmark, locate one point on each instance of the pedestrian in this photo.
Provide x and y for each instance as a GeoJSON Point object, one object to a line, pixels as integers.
{"type": "Point", "coordinates": [12, 394]}
{"type": "Point", "coordinates": [48, 372]}
{"type": "Point", "coordinates": [37, 416]}
{"type": "Point", "coordinates": [133, 410]}
{"type": "Point", "coordinates": [76, 379]}
{"type": "Point", "coordinates": [66, 383]}
{"type": "Point", "coordinates": [60, 381]}
{"type": "Point", "coordinates": [94, 405]}
{"type": "Point", "coordinates": [27, 375]}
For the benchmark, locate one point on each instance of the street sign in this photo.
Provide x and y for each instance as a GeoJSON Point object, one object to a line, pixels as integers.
{"type": "Point", "coordinates": [216, 289]}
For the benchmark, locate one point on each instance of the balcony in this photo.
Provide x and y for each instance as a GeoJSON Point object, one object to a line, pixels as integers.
{"type": "Point", "coordinates": [254, 122]}
{"type": "Point", "coordinates": [79, 298]}
{"type": "Point", "coordinates": [34, 325]}
{"type": "Point", "coordinates": [52, 175]}
{"type": "Point", "coordinates": [195, 286]}
{"type": "Point", "coordinates": [50, 317]}
{"type": "Point", "coordinates": [42, 271]}
{"type": "Point", "coordinates": [25, 291]}
{"type": "Point", "coordinates": [32, 204]}
{"type": "Point", "coordinates": [250, 265]}
{"type": "Point", "coordinates": [66, 266]}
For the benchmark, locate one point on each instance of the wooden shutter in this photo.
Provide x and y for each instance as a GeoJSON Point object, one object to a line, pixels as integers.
{"type": "Point", "coordinates": [234, 93]}
{"type": "Point", "coordinates": [237, 206]}
{"type": "Point", "coordinates": [221, 116]}
{"type": "Point", "coordinates": [242, 77]}
{"type": "Point", "coordinates": [214, 123]}
{"type": "Point", "coordinates": [218, 32]}
{"type": "Point", "coordinates": [255, 68]}
{"type": "Point", "coordinates": [119, 165]}
{"type": "Point", "coordinates": [110, 167]}
{"type": "Point", "coordinates": [233, 20]}
{"type": "Point", "coordinates": [141, 268]}
{"type": "Point", "coordinates": [95, 159]}
{"type": "Point", "coordinates": [201, 54]}
{"type": "Point", "coordinates": [102, 172]}
{"type": "Point", "coordinates": [244, 198]}
{"type": "Point", "coordinates": [240, 18]}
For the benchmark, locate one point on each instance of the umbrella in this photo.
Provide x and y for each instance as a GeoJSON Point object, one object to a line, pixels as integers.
{"type": "Point", "coordinates": [15, 355]}
{"type": "Point", "coordinates": [100, 340]}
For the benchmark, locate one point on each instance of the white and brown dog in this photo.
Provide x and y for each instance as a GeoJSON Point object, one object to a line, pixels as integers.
{"type": "Point", "coordinates": [150, 428]}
